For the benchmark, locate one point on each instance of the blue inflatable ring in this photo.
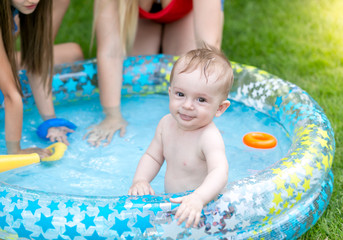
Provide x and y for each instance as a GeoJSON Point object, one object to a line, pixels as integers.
{"type": "Point", "coordinates": [43, 128]}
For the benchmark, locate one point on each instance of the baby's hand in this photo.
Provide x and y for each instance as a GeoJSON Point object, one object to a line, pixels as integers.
{"type": "Point", "coordinates": [42, 152]}
{"type": "Point", "coordinates": [59, 134]}
{"type": "Point", "coordinates": [191, 207]}
{"type": "Point", "coordinates": [141, 188]}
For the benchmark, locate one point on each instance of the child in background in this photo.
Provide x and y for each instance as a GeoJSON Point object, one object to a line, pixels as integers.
{"type": "Point", "coordinates": [187, 139]}
{"type": "Point", "coordinates": [36, 56]}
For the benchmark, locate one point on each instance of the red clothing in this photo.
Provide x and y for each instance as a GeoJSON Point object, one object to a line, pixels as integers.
{"type": "Point", "coordinates": [175, 10]}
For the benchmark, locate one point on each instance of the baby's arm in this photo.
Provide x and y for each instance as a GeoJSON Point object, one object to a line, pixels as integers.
{"type": "Point", "coordinates": [216, 179]}
{"type": "Point", "coordinates": [148, 166]}
{"type": "Point", "coordinates": [146, 170]}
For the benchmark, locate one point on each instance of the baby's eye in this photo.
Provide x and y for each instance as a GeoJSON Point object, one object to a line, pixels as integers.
{"type": "Point", "coordinates": [179, 94]}
{"type": "Point", "coordinates": [200, 99]}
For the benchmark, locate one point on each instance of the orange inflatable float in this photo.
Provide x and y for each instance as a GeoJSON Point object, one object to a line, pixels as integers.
{"type": "Point", "coordinates": [259, 140]}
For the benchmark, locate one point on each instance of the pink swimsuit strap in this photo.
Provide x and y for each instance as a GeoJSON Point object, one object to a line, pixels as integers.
{"type": "Point", "coordinates": [175, 10]}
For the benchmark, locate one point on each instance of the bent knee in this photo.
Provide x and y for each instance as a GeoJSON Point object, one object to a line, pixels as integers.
{"type": "Point", "coordinates": [76, 50]}
{"type": "Point", "coordinates": [67, 52]}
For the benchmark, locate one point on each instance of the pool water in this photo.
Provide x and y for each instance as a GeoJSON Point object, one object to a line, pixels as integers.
{"type": "Point", "coordinates": [108, 171]}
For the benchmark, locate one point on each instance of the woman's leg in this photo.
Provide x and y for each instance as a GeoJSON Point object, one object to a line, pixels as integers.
{"type": "Point", "coordinates": [148, 38]}
{"type": "Point", "coordinates": [179, 37]}
{"type": "Point", "coordinates": [67, 53]}
{"type": "Point", "coordinates": [63, 52]}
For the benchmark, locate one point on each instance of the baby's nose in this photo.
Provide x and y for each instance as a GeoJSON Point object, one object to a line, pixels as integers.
{"type": "Point", "coordinates": [188, 103]}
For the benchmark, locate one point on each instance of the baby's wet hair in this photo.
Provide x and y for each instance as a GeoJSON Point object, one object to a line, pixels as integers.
{"type": "Point", "coordinates": [211, 60]}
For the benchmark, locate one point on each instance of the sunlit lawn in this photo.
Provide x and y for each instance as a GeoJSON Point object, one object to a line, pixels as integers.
{"type": "Point", "coordinates": [300, 41]}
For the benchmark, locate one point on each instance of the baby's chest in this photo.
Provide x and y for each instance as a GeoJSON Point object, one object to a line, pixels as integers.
{"type": "Point", "coordinates": [183, 152]}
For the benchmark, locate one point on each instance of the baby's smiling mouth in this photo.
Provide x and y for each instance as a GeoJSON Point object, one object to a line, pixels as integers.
{"type": "Point", "coordinates": [185, 117]}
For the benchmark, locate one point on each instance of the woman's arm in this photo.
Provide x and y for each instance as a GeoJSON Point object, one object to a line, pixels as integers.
{"type": "Point", "coordinates": [12, 98]}
{"type": "Point", "coordinates": [110, 55]}
{"type": "Point", "coordinates": [110, 52]}
{"type": "Point", "coordinates": [13, 108]}
{"type": "Point", "coordinates": [63, 53]}
{"type": "Point", "coordinates": [208, 22]}
{"type": "Point", "coordinates": [43, 98]}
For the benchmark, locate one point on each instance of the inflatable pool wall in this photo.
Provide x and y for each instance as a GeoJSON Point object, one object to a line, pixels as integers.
{"type": "Point", "coordinates": [78, 81]}
{"type": "Point", "coordinates": [281, 202]}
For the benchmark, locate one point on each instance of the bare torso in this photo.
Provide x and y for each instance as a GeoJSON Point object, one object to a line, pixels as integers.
{"type": "Point", "coordinates": [186, 164]}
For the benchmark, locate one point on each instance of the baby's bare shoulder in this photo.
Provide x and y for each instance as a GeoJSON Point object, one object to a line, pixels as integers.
{"type": "Point", "coordinates": [211, 135]}
{"type": "Point", "coordinates": [210, 130]}
{"type": "Point", "coordinates": [166, 117]}
{"type": "Point", "coordinates": [167, 121]}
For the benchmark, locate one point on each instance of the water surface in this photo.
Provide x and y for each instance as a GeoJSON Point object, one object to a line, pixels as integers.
{"type": "Point", "coordinates": [108, 171]}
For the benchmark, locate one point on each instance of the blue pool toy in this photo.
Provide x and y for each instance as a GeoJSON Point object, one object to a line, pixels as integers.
{"type": "Point", "coordinates": [43, 128]}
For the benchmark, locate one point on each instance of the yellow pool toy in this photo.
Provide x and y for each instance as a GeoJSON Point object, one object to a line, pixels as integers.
{"type": "Point", "coordinates": [58, 149]}
{"type": "Point", "coordinates": [8, 162]}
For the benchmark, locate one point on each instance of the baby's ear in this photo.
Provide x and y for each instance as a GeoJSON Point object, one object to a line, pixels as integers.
{"type": "Point", "coordinates": [222, 108]}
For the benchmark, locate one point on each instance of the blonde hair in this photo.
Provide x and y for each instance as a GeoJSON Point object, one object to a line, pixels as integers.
{"type": "Point", "coordinates": [35, 38]}
{"type": "Point", "coordinates": [210, 59]}
{"type": "Point", "coordinates": [128, 18]}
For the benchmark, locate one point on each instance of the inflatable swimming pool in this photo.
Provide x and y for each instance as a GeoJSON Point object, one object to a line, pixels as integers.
{"type": "Point", "coordinates": [280, 202]}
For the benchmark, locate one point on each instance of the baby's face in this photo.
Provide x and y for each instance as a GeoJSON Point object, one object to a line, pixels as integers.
{"type": "Point", "coordinates": [193, 100]}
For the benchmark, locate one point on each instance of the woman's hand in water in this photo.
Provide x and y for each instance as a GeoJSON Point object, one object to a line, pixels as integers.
{"type": "Point", "coordinates": [59, 134]}
{"type": "Point", "coordinates": [112, 123]}
{"type": "Point", "coordinates": [190, 209]}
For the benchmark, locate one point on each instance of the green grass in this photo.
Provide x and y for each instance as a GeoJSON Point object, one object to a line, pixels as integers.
{"type": "Point", "coordinates": [300, 41]}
